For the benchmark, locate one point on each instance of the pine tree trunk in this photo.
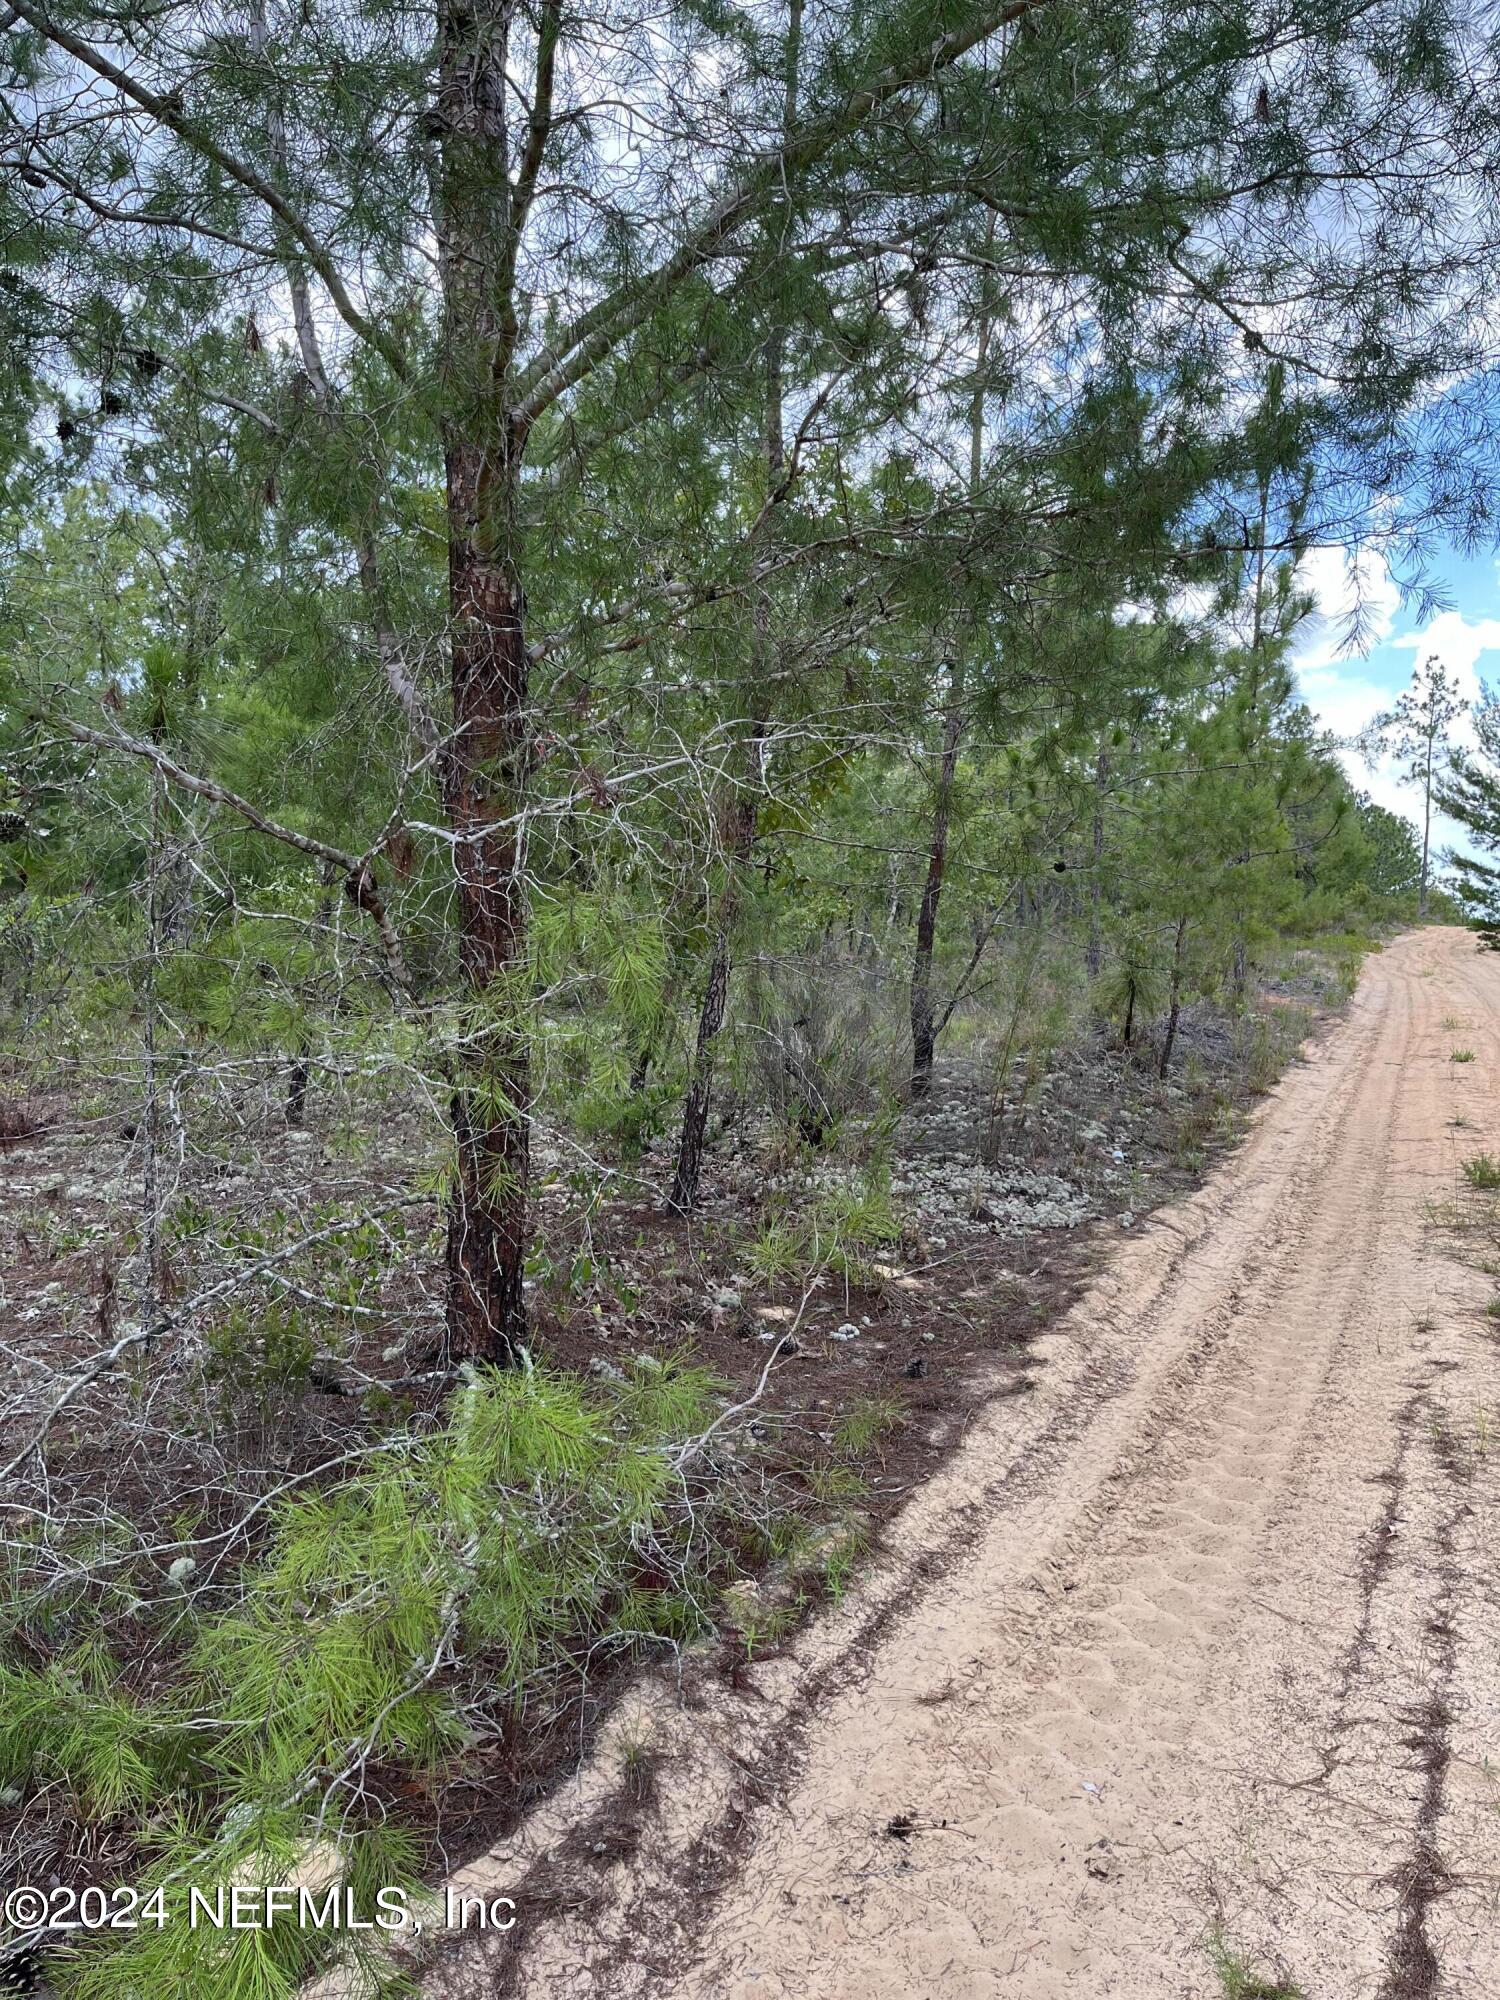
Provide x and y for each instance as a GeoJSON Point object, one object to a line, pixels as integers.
{"type": "Point", "coordinates": [301, 1076]}
{"type": "Point", "coordinates": [744, 811]}
{"type": "Point", "coordinates": [923, 1031]}
{"type": "Point", "coordinates": [296, 1089]}
{"type": "Point", "coordinates": [151, 1102]}
{"type": "Point", "coordinates": [690, 1143]}
{"type": "Point", "coordinates": [1426, 832]}
{"type": "Point", "coordinates": [483, 778]}
{"type": "Point", "coordinates": [1240, 967]}
{"type": "Point", "coordinates": [923, 1027]}
{"type": "Point", "coordinates": [485, 765]}
{"type": "Point", "coordinates": [1174, 1012]}
{"type": "Point", "coordinates": [1096, 884]}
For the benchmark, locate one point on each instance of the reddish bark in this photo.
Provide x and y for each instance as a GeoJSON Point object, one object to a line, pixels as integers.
{"type": "Point", "coordinates": [484, 772]}
{"type": "Point", "coordinates": [484, 765]}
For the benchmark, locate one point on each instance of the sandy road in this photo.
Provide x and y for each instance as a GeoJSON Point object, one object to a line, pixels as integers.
{"type": "Point", "coordinates": [1202, 1631]}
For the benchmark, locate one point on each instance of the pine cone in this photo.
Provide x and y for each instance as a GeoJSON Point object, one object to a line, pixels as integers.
{"type": "Point", "coordinates": [12, 827]}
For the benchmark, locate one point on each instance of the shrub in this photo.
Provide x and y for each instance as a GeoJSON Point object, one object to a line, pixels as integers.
{"type": "Point", "coordinates": [1237, 1977]}
{"type": "Point", "coordinates": [864, 1426]}
{"type": "Point", "coordinates": [65, 1723]}
{"type": "Point", "coordinates": [840, 1230]}
{"type": "Point", "coordinates": [259, 1352]}
{"type": "Point", "coordinates": [1133, 986]}
{"type": "Point", "coordinates": [818, 1050]}
{"type": "Point", "coordinates": [540, 1514]}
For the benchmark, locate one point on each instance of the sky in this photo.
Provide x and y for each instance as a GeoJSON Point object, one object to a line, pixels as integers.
{"type": "Point", "coordinates": [1346, 687]}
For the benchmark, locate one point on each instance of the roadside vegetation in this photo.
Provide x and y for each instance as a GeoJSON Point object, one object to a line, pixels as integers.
{"type": "Point", "coordinates": [286, 1585]}
{"type": "Point", "coordinates": [1237, 1976]}
{"type": "Point", "coordinates": [650, 778]}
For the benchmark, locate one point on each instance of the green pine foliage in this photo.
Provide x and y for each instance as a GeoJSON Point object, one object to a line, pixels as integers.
{"type": "Point", "coordinates": [1467, 789]}
{"type": "Point", "coordinates": [538, 1519]}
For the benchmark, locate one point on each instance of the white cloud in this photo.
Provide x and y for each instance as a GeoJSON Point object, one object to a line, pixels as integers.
{"type": "Point", "coordinates": [1459, 643]}
{"type": "Point", "coordinates": [1357, 600]}
{"type": "Point", "coordinates": [1342, 701]}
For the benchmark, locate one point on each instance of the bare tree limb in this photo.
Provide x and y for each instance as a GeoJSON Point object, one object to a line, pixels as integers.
{"type": "Point", "coordinates": [359, 882]}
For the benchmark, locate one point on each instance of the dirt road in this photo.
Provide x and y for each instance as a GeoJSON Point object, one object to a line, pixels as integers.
{"type": "Point", "coordinates": [1200, 1633]}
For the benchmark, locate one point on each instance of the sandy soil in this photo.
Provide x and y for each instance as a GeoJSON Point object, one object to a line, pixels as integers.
{"type": "Point", "coordinates": [1198, 1632]}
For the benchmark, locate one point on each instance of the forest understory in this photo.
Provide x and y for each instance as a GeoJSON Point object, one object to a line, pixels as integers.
{"type": "Point", "coordinates": [845, 1314]}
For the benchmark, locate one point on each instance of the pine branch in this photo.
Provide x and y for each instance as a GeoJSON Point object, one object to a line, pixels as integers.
{"type": "Point", "coordinates": [141, 1336]}
{"type": "Point", "coordinates": [580, 349]}
{"type": "Point", "coordinates": [168, 111]}
{"type": "Point", "coordinates": [137, 217]}
{"type": "Point", "coordinates": [359, 883]}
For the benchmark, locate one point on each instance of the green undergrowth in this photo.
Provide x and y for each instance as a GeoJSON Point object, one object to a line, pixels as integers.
{"type": "Point", "coordinates": [843, 1229]}
{"type": "Point", "coordinates": [433, 1596]}
{"type": "Point", "coordinates": [1238, 1979]}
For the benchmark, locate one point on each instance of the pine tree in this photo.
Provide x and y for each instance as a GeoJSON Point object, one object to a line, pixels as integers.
{"type": "Point", "coordinates": [1468, 790]}
{"type": "Point", "coordinates": [1418, 731]}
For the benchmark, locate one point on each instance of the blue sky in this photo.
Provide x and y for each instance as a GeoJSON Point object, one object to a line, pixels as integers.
{"type": "Point", "coordinates": [1346, 688]}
